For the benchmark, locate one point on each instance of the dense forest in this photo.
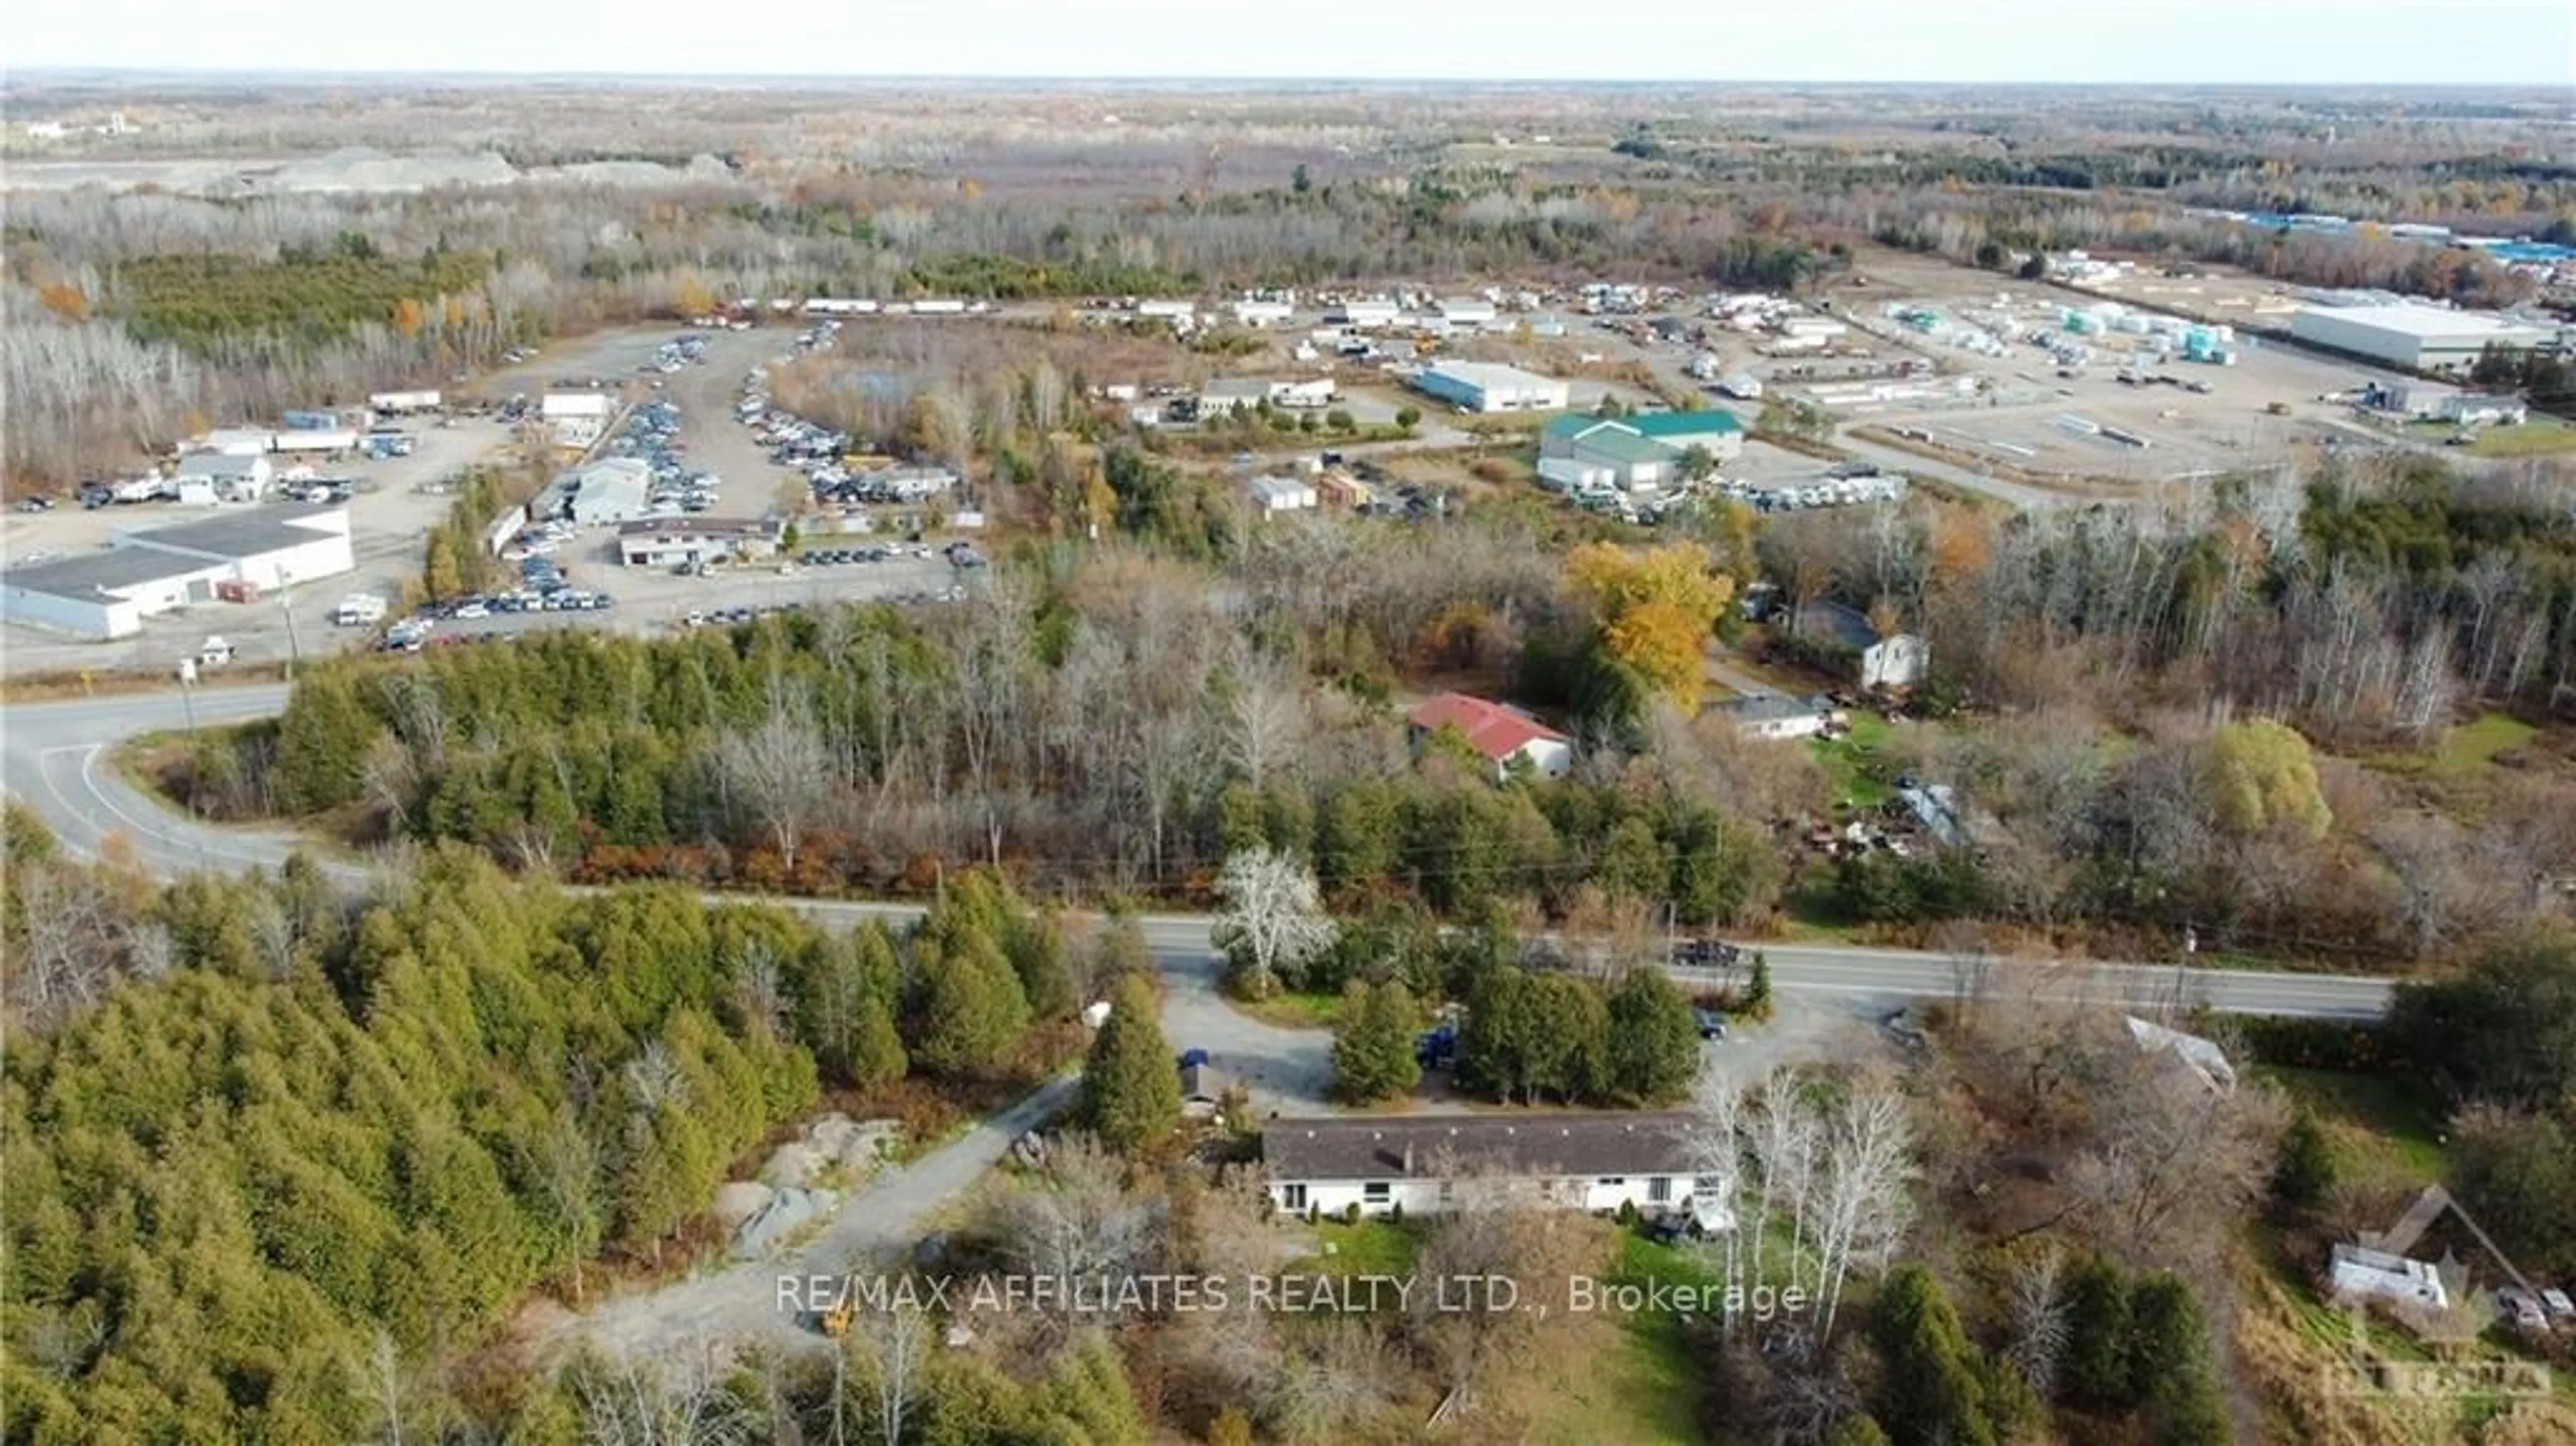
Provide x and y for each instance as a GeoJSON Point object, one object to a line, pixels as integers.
{"type": "Point", "coordinates": [269, 1145]}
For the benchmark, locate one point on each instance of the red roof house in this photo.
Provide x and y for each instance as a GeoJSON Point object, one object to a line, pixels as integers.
{"type": "Point", "coordinates": [1501, 734]}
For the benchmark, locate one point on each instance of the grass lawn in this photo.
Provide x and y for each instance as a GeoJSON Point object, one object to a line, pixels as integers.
{"type": "Point", "coordinates": [1292, 1010]}
{"type": "Point", "coordinates": [1858, 762]}
{"type": "Point", "coordinates": [2541, 436]}
{"type": "Point", "coordinates": [2464, 749]}
{"type": "Point", "coordinates": [2374, 1119]}
{"type": "Point", "coordinates": [1640, 1384]}
{"type": "Point", "coordinates": [1372, 1247]}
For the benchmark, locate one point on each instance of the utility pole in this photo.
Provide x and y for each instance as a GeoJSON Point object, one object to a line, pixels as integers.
{"type": "Point", "coordinates": [188, 701]}
{"type": "Point", "coordinates": [286, 603]}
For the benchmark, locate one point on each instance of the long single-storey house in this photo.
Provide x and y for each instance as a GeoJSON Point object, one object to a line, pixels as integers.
{"type": "Point", "coordinates": [1428, 1165]}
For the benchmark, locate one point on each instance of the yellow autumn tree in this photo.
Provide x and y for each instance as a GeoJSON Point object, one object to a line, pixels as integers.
{"type": "Point", "coordinates": [1656, 606]}
{"type": "Point", "coordinates": [409, 315]}
{"type": "Point", "coordinates": [2262, 777]}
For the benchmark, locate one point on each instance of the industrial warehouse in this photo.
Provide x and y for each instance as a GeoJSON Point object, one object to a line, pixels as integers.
{"type": "Point", "coordinates": [145, 573]}
{"type": "Point", "coordinates": [1487, 387]}
{"type": "Point", "coordinates": [2414, 336]}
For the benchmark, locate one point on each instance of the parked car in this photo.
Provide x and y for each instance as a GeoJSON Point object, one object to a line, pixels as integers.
{"type": "Point", "coordinates": [2522, 1309]}
{"type": "Point", "coordinates": [1710, 1023]}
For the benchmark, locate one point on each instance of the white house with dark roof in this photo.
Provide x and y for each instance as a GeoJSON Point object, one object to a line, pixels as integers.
{"type": "Point", "coordinates": [1889, 660]}
{"type": "Point", "coordinates": [1777, 715]}
{"type": "Point", "coordinates": [1595, 1162]}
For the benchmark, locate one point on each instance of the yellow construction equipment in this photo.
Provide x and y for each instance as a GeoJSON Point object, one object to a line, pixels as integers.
{"type": "Point", "coordinates": [835, 1321]}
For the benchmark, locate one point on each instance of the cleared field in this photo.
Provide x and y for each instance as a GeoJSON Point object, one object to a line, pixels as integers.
{"type": "Point", "coordinates": [2024, 407]}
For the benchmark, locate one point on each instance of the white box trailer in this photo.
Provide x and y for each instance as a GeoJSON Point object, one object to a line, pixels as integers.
{"type": "Point", "coordinates": [342, 440]}
{"type": "Point", "coordinates": [400, 402]}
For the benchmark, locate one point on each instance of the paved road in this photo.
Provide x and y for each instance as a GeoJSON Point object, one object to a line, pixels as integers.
{"type": "Point", "coordinates": [51, 755]}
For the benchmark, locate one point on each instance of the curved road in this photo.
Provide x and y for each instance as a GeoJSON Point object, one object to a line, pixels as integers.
{"type": "Point", "coordinates": [55, 757]}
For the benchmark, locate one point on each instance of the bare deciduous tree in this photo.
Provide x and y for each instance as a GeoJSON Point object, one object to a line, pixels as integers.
{"type": "Point", "coordinates": [774, 768]}
{"type": "Point", "coordinates": [1274, 916]}
{"type": "Point", "coordinates": [2037, 1311]}
{"type": "Point", "coordinates": [678, 1400]}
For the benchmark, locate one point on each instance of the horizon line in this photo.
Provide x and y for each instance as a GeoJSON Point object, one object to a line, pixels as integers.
{"type": "Point", "coordinates": [329, 74]}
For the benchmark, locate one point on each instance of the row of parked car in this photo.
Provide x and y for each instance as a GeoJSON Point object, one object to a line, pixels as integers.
{"type": "Point", "coordinates": [726, 617]}
{"type": "Point", "coordinates": [1831, 492]}
{"type": "Point", "coordinates": [959, 554]}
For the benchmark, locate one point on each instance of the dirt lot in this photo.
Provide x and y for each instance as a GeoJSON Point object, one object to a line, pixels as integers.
{"type": "Point", "coordinates": [2030, 417]}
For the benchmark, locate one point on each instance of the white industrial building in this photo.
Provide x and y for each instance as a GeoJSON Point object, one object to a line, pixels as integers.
{"type": "Point", "coordinates": [1467, 313]}
{"type": "Point", "coordinates": [1433, 1164]}
{"type": "Point", "coordinates": [2417, 337]}
{"type": "Point", "coordinates": [1232, 394]}
{"type": "Point", "coordinates": [675, 541]}
{"type": "Point", "coordinates": [615, 489]}
{"type": "Point", "coordinates": [144, 573]}
{"type": "Point", "coordinates": [1365, 315]}
{"type": "Point", "coordinates": [1488, 387]}
{"type": "Point", "coordinates": [577, 419]}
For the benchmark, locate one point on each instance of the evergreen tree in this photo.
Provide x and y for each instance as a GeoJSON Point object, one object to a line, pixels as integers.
{"type": "Point", "coordinates": [1570, 1037]}
{"type": "Point", "coordinates": [1087, 1397]}
{"type": "Point", "coordinates": [2095, 1366]}
{"type": "Point", "coordinates": [2306, 1172]}
{"type": "Point", "coordinates": [322, 742]}
{"type": "Point", "coordinates": [1933, 1394]}
{"type": "Point", "coordinates": [1373, 1056]}
{"type": "Point", "coordinates": [971, 1010]}
{"type": "Point", "coordinates": [1653, 1045]}
{"type": "Point", "coordinates": [1757, 990]}
{"type": "Point", "coordinates": [2170, 1372]}
{"type": "Point", "coordinates": [1131, 1089]}
{"type": "Point", "coordinates": [1857, 1429]}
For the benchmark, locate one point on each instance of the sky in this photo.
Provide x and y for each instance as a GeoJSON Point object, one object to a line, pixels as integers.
{"type": "Point", "coordinates": [2175, 42]}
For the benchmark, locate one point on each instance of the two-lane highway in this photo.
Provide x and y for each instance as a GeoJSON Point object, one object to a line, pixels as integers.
{"type": "Point", "coordinates": [56, 757]}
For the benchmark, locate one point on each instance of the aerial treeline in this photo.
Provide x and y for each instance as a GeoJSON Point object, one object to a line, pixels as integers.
{"type": "Point", "coordinates": [2366, 601]}
{"type": "Point", "coordinates": [1120, 744]}
{"type": "Point", "coordinates": [272, 1148]}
